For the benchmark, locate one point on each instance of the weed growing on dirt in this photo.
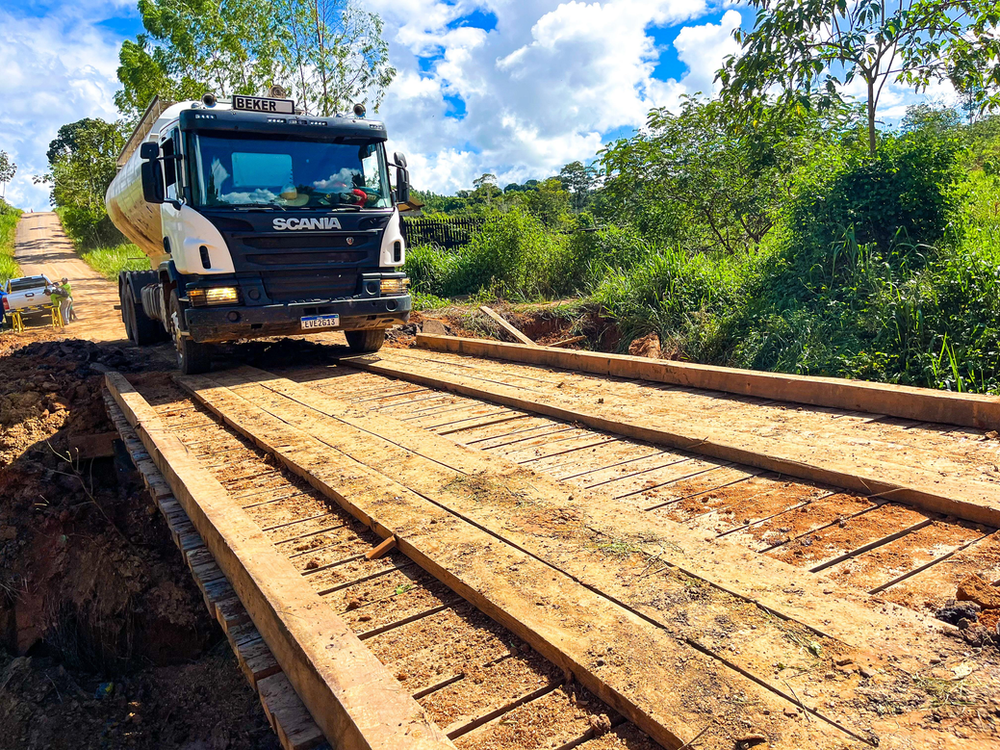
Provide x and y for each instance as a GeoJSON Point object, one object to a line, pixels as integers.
{"type": "Point", "coordinates": [946, 692]}
{"type": "Point", "coordinates": [618, 547]}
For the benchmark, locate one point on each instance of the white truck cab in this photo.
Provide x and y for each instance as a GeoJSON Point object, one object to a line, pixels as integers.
{"type": "Point", "coordinates": [260, 221]}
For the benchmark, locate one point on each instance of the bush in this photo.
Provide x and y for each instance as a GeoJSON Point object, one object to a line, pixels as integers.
{"type": "Point", "coordinates": [92, 228]}
{"type": "Point", "coordinates": [429, 267]}
{"type": "Point", "coordinates": [904, 196]}
{"type": "Point", "coordinates": [593, 255]}
{"type": "Point", "coordinates": [8, 222]}
{"type": "Point", "coordinates": [679, 296]}
{"type": "Point", "coordinates": [512, 256]}
{"type": "Point", "coordinates": [108, 261]}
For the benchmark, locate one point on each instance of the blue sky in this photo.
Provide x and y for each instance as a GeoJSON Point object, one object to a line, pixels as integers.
{"type": "Point", "coordinates": [505, 86]}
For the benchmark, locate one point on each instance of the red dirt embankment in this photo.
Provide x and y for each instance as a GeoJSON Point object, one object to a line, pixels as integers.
{"type": "Point", "coordinates": [105, 640]}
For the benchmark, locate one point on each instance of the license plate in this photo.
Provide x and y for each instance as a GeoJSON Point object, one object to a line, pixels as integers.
{"type": "Point", "coordinates": [320, 321]}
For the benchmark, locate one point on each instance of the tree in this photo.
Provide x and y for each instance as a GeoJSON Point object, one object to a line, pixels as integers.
{"type": "Point", "coordinates": [7, 171]}
{"type": "Point", "coordinates": [485, 188]}
{"type": "Point", "coordinates": [329, 53]}
{"type": "Point", "coordinates": [579, 180]}
{"type": "Point", "coordinates": [82, 163]}
{"type": "Point", "coordinates": [823, 45]}
{"type": "Point", "coordinates": [337, 54]}
{"type": "Point", "coordinates": [549, 202]}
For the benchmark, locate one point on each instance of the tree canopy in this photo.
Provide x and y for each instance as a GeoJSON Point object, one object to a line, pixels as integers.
{"type": "Point", "coordinates": [82, 163]}
{"type": "Point", "coordinates": [7, 171]}
{"type": "Point", "coordinates": [803, 48]}
{"type": "Point", "coordinates": [328, 53]}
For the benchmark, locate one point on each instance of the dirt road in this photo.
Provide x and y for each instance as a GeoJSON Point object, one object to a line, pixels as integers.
{"type": "Point", "coordinates": [42, 247]}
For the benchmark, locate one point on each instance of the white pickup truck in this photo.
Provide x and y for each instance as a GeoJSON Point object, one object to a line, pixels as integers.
{"type": "Point", "coordinates": [26, 294]}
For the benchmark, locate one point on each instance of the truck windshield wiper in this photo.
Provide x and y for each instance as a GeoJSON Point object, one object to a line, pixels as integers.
{"type": "Point", "coordinates": [250, 206]}
{"type": "Point", "coordinates": [345, 207]}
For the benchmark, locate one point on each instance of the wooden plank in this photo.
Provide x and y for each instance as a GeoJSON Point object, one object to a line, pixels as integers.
{"type": "Point", "coordinates": [568, 623]}
{"type": "Point", "coordinates": [921, 404]}
{"type": "Point", "coordinates": [252, 654]}
{"type": "Point", "coordinates": [968, 499]}
{"type": "Point", "coordinates": [384, 548]}
{"type": "Point", "coordinates": [255, 659]}
{"type": "Point", "coordinates": [507, 326]}
{"type": "Point", "coordinates": [288, 716]}
{"type": "Point", "coordinates": [356, 702]}
{"type": "Point", "coordinates": [883, 638]}
{"type": "Point", "coordinates": [566, 342]}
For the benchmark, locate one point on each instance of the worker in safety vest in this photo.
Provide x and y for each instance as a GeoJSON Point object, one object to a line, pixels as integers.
{"type": "Point", "coordinates": [63, 295]}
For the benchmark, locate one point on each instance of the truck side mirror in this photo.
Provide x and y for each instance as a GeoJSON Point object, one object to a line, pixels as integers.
{"type": "Point", "coordinates": [402, 178]}
{"type": "Point", "coordinates": [149, 150]}
{"type": "Point", "coordinates": [152, 180]}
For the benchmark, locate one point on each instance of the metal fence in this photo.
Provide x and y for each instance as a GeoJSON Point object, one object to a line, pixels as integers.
{"type": "Point", "coordinates": [447, 233]}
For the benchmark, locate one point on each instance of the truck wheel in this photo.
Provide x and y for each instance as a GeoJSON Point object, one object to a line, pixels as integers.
{"type": "Point", "coordinates": [367, 340]}
{"type": "Point", "coordinates": [192, 358]}
{"type": "Point", "coordinates": [141, 329]}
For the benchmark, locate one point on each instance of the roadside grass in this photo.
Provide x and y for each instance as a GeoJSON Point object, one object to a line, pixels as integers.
{"type": "Point", "coordinates": [8, 221]}
{"type": "Point", "coordinates": [108, 261]}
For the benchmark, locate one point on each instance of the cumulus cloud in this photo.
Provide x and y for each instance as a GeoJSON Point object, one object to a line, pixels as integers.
{"type": "Point", "coordinates": [56, 70]}
{"type": "Point", "coordinates": [502, 86]}
{"type": "Point", "coordinates": [544, 87]}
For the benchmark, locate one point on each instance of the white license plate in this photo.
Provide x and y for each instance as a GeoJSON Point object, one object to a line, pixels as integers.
{"type": "Point", "coordinates": [320, 321]}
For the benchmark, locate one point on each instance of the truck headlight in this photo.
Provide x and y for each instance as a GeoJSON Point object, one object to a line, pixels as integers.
{"type": "Point", "coordinates": [219, 295]}
{"type": "Point", "coordinates": [395, 286]}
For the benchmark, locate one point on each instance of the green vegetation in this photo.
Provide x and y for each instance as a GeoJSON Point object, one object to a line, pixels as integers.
{"type": "Point", "coordinates": [108, 261]}
{"type": "Point", "coordinates": [7, 171]}
{"type": "Point", "coordinates": [826, 260]}
{"type": "Point", "coordinates": [784, 232]}
{"type": "Point", "coordinates": [82, 163]}
{"type": "Point", "coordinates": [330, 53]}
{"type": "Point", "coordinates": [8, 221]}
{"type": "Point", "coordinates": [819, 47]}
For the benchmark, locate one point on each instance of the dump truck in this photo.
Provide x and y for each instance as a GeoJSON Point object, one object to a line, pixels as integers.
{"type": "Point", "coordinates": [259, 220]}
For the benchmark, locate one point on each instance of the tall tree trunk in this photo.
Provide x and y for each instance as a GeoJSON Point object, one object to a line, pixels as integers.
{"type": "Point", "coordinates": [325, 110]}
{"type": "Point", "coordinates": [871, 116]}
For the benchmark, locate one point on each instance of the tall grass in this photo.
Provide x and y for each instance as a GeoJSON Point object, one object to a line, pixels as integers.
{"type": "Point", "coordinates": [8, 221]}
{"type": "Point", "coordinates": [108, 261]}
{"type": "Point", "coordinates": [513, 256]}
{"type": "Point", "coordinates": [108, 257]}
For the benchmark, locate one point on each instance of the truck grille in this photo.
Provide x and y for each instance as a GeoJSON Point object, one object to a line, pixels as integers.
{"type": "Point", "coordinates": [305, 259]}
{"type": "Point", "coordinates": [305, 242]}
{"type": "Point", "coordinates": [302, 286]}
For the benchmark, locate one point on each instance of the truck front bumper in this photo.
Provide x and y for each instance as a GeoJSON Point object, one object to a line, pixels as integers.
{"type": "Point", "coordinates": [215, 324]}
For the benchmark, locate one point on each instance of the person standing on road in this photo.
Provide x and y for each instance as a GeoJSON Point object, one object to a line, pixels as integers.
{"type": "Point", "coordinates": [66, 304]}
{"type": "Point", "coordinates": [62, 295]}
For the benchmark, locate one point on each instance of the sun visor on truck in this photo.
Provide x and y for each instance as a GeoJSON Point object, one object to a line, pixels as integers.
{"type": "Point", "coordinates": [300, 126]}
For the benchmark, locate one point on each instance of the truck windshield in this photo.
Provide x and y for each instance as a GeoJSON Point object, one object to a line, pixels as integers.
{"type": "Point", "coordinates": [258, 170]}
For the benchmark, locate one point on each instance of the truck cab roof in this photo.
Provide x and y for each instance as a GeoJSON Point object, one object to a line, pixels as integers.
{"type": "Point", "coordinates": [298, 125]}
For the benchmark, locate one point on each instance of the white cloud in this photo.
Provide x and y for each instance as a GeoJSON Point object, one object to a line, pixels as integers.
{"type": "Point", "coordinates": [551, 82]}
{"type": "Point", "coordinates": [704, 48]}
{"type": "Point", "coordinates": [543, 88]}
{"type": "Point", "coordinates": [56, 70]}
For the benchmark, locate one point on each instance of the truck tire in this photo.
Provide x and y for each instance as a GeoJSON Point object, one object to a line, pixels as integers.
{"type": "Point", "coordinates": [365, 341]}
{"type": "Point", "coordinates": [141, 329]}
{"type": "Point", "coordinates": [192, 358]}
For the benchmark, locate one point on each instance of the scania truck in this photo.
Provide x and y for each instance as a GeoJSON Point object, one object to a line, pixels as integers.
{"type": "Point", "coordinates": [259, 220]}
